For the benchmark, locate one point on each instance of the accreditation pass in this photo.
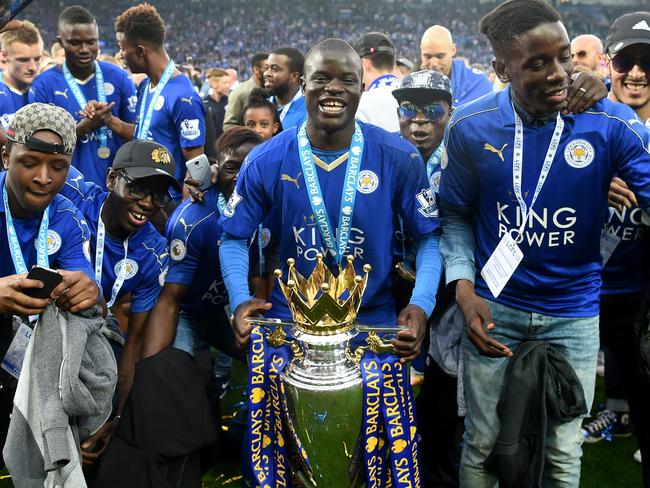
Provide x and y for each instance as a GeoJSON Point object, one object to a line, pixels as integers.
{"type": "Point", "coordinates": [502, 264]}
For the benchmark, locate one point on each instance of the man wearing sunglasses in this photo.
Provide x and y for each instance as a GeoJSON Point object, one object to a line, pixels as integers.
{"type": "Point", "coordinates": [127, 253]}
{"type": "Point", "coordinates": [624, 249]}
{"type": "Point", "coordinates": [628, 61]}
{"type": "Point", "coordinates": [425, 99]}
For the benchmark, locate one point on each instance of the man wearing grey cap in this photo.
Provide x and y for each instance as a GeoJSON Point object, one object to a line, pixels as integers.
{"type": "Point", "coordinates": [377, 105]}
{"type": "Point", "coordinates": [37, 158]}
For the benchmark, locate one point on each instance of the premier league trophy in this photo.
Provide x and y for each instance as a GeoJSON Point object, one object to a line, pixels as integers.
{"type": "Point", "coordinates": [314, 388]}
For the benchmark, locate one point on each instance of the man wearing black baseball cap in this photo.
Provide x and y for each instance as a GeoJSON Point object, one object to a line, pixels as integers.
{"type": "Point", "coordinates": [624, 277]}
{"type": "Point", "coordinates": [628, 59]}
{"type": "Point", "coordinates": [377, 106]}
{"type": "Point", "coordinates": [129, 256]}
{"type": "Point", "coordinates": [425, 100]}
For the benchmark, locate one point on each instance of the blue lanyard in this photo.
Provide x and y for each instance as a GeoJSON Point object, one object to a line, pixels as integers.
{"type": "Point", "coordinates": [221, 203]}
{"type": "Point", "coordinates": [14, 246]}
{"type": "Point", "coordinates": [144, 121]}
{"type": "Point", "coordinates": [434, 161]}
{"type": "Point", "coordinates": [81, 99]}
{"type": "Point", "coordinates": [347, 198]}
{"type": "Point", "coordinates": [382, 80]}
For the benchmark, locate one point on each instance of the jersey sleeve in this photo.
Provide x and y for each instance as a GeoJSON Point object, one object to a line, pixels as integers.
{"type": "Point", "coordinates": [189, 119]}
{"type": "Point", "coordinates": [247, 205]}
{"type": "Point", "coordinates": [184, 251]}
{"type": "Point", "coordinates": [79, 191]}
{"type": "Point", "coordinates": [128, 99]}
{"type": "Point", "coordinates": [458, 178]}
{"type": "Point", "coordinates": [415, 200]}
{"type": "Point", "coordinates": [145, 295]}
{"type": "Point", "coordinates": [633, 157]}
{"type": "Point", "coordinates": [75, 247]}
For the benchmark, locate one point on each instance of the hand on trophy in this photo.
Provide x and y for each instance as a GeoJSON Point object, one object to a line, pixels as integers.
{"type": "Point", "coordinates": [478, 320]}
{"type": "Point", "coordinates": [241, 327]}
{"type": "Point", "coordinates": [408, 342]}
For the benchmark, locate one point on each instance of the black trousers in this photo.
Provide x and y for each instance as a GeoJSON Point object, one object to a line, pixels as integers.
{"type": "Point", "coordinates": [617, 314]}
{"type": "Point", "coordinates": [440, 427]}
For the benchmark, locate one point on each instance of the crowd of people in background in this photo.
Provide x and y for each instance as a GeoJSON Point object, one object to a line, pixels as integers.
{"type": "Point", "coordinates": [173, 130]}
{"type": "Point", "coordinates": [223, 40]}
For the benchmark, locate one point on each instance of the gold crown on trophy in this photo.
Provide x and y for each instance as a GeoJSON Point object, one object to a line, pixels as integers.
{"type": "Point", "coordinates": [324, 304]}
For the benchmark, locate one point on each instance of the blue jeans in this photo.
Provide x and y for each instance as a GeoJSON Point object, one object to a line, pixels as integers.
{"type": "Point", "coordinates": [578, 340]}
{"type": "Point", "coordinates": [195, 334]}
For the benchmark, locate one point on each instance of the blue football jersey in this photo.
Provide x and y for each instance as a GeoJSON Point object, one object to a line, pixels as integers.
{"type": "Point", "coordinates": [295, 114]}
{"type": "Point", "coordinates": [67, 238]}
{"type": "Point", "coordinates": [560, 274]}
{"type": "Point", "coordinates": [11, 101]}
{"type": "Point", "coordinates": [178, 120]}
{"type": "Point", "coordinates": [404, 243]}
{"type": "Point", "coordinates": [392, 181]}
{"type": "Point", "coordinates": [467, 84]}
{"type": "Point", "coordinates": [193, 232]}
{"type": "Point", "coordinates": [51, 87]}
{"type": "Point", "coordinates": [146, 261]}
{"type": "Point", "coordinates": [624, 271]}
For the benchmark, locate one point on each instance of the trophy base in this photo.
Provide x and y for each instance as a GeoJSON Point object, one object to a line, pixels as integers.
{"type": "Point", "coordinates": [324, 399]}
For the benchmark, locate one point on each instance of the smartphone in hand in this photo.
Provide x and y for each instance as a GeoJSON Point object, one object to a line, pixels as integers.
{"type": "Point", "coordinates": [198, 169]}
{"type": "Point", "coordinates": [50, 279]}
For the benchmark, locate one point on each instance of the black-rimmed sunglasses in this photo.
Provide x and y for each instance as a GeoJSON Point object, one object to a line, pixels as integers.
{"type": "Point", "coordinates": [433, 112]}
{"type": "Point", "coordinates": [623, 62]}
{"type": "Point", "coordinates": [139, 190]}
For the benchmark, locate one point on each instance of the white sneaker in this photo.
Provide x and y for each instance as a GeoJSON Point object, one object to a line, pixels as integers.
{"type": "Point", "coordinates": [637, 456]}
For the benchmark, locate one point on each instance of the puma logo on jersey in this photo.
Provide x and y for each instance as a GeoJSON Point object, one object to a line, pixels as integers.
{"type": "Point", "coordinates": [185, 225]}
{"type": "Point", "coordinates": [188, 100]}
{"type": "Point", "coordinates": [491, 148]}
{"type": "Point", "coordinates": [78, 179]}
{"type": "Point", "coordinates": [63, 93]}
{"type": "Point", "coordinates": [2, 92]}
{"type": "Point", "coordinates": [286, 177]}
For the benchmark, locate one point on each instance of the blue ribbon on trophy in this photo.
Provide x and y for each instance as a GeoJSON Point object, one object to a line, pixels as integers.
{"type": "Point", "coordinates": [319, 412]}
{"type": "Point", "coordinates": [258, 454]}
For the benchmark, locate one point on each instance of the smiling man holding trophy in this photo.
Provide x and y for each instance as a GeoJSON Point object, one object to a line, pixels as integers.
{"type": "Point", "coordinates": [303, 178]}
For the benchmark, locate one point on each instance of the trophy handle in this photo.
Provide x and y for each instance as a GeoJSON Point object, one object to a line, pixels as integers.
{"type": "Point", "coordinates": [374, 343]}
{"type": "Point", "coordinates": [278, 338]}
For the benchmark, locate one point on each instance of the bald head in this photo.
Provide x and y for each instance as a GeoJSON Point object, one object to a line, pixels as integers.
{"type": "Point", "coordinates": [331, 48]}
{"type": "Point", "coordinates": [587, 51]}
{"type": "Point", "coordinates": [437, 49]}
{"type": "Point", "coordinates": [438, 33]}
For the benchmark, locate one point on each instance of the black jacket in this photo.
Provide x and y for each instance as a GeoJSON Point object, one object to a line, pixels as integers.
{"type": "Point", "coordinates": [540, 384]}
{"type": "Point", "coordinates": [168, 429]}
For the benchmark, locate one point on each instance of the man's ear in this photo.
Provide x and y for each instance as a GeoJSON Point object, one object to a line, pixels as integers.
{"type": "Point", "coordinates": [303, 83]}
{"type": "Point", "coordinates": [5, 157]}
{"type": "Point", "coordinates": [295, 78]}
{"type": "Point", "coordinates": [500, 70]}
{"type": "Point", "coordinates": [142, 50]}
{"type": "Point", "coordinates": [111, 179]}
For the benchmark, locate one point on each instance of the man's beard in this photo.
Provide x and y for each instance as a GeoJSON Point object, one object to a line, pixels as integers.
{"type": "Point", "coordinates": [279, 90]}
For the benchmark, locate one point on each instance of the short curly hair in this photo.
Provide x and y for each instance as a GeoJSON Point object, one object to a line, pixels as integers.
{"type": "Point", "coordinates": [142, 23]}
